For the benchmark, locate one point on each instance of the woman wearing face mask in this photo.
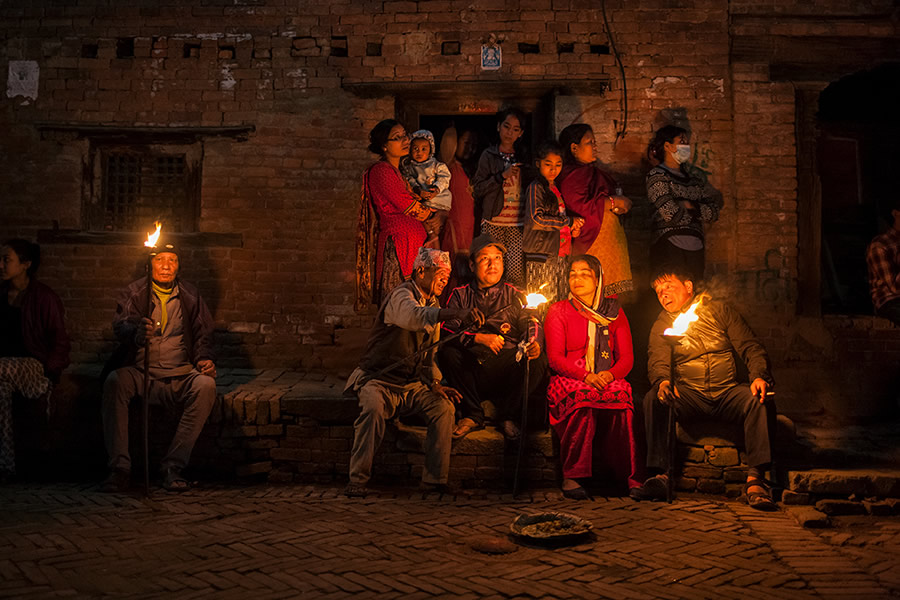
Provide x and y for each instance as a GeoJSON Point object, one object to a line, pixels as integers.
{"type": "Point", "coordinates": [681, 202]}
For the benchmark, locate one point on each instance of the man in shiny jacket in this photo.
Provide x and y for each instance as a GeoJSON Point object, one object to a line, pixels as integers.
{"type": "Point", "coordinates": [706, 385]}
{"type": "Point", "coordinates": [182, 372]}
{"type": "Point", "coordinates": [482, 364]}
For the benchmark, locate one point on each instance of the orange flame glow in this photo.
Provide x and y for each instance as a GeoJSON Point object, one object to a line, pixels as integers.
{"type": "Point", "coordinates": [684, 320]}
{"type": "Point", "coordinates": [152, 238]}
{"type": "Point", "coordinates": [534, 300]}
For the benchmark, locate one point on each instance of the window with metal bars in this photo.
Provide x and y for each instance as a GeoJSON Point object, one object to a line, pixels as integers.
{"type": "Point", "coordinates": [137, 185]}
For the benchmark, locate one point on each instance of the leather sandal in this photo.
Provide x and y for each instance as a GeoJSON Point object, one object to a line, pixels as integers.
{"type": "Point", "coordinates": [759, 500]}
{"type": "Point", "coordinates": [465, 427]}
{"type": "Point", "coordinates": [576, 493]}
{"type": "Point", "coordinates": [174, 482]}
{"type": "Point", "coordinates": [356, 490]}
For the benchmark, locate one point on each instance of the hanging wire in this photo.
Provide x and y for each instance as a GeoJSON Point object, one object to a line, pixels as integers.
{"type": "Point", "coordinates": [620, 131]}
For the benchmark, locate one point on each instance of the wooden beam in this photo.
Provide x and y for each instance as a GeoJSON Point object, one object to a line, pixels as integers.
{"type": "Point", "coordinates": [476, 89]}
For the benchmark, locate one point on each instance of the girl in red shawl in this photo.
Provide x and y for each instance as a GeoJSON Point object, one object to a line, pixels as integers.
{"type": "Point", "coordinates": [589, 350]}
{"type": "Point", "coordinates": [390, 231]}
{"type": "Point", "coordinates": [592, 194]}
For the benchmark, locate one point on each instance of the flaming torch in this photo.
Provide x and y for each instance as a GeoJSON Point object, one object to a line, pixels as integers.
{"type": "Point", "coordinates": [533, 301]}
{"type": "Point", "coordinates": [673, 336]}
{"type": "Point", "coordinates": [152, 239]}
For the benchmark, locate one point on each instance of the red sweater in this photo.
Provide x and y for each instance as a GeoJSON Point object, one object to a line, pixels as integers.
{"type": "Point", "coordinates": [567, 337]}
{"type": "Point", "coordinates": [44, 327]}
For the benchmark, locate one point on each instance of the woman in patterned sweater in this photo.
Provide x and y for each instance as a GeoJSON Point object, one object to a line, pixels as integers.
{"type": "Point", "coordinates": [682, 200]}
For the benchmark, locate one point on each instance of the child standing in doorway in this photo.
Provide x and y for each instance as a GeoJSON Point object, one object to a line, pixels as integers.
{"type": "Point", "coordinates": [429, 179]}
{"type": "Point", "coordinates": [497, 189]}
{"type": "Point", "coordinates": [547, 239]}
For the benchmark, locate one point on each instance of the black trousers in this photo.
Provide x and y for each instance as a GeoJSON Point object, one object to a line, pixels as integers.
{"type": "Point", "coordinates": [497, 377]}
{"type": "Point", "coordinates": [734, 405]}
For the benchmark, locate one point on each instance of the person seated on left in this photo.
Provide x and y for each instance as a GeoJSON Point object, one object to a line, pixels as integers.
{"type": "Point", "coordinates": [182, 372]}
{"type": "Point", "coordinates": [34, 346]}
{"type": "Point", "coordinates": [482, 364]}
{"type": "Point", "coordinates": [397, 375]}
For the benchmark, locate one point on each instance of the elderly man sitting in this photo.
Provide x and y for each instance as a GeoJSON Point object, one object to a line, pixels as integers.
{"type": "Point", "coordinates": [484, 362]}
{"type": "Point", "coordinates": [706, 386]}
{"type": "Point", "coordinates": [182, 371]}
{"type": "Point", "coordinates": [397, 373]}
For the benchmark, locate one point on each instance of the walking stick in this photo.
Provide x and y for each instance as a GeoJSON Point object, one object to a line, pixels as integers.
{"type": "Point", "coordinates": [145, 397]}
{"type": "Point", "coordinates": [524, 421]}
{"type": "Point", "coordinates": [145, 402]}
{"type": "Point", "coordinates": [673, 341]}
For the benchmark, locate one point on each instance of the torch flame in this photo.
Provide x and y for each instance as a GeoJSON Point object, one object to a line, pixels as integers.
{"type": "Point", "coordinates": [152, 238]}
{"type": "Point", "coordinates": [534, 300]}
{"type": "Point", "coordinates": [683, 321]}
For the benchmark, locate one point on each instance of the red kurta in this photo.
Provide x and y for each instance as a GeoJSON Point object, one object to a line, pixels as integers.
{"type": "Point", "coordinates": [460, 226]}
{"type": "Point", "coordinates": [391, 197]}
{"type": "Point", "coordinates": [579, 413]}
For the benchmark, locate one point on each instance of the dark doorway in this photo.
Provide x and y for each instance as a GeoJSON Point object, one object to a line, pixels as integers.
{"type": "Point", "coordinates": [485, 125]}
{"type": "Point", "coordinates": [859, 127]}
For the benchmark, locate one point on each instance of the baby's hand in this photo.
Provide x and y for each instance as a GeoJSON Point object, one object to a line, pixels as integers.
{"type": "Point", "coordinates": [427, 194]}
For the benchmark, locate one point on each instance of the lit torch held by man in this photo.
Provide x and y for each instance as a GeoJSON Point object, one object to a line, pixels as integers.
{"type": "Point", "coordinates": [706, 386]}
{"type": "Point", "coordinates": [177, 337]}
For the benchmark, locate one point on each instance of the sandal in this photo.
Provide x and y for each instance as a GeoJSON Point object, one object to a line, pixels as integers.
{"type": "Point", "coordinates": [576, 493]}
{"type": "Point", "coordinates": [465, 427]}
{"type": "Point", "coordinates": [174, 482]}
{"type": "Point", "coordinates": [356, 490]}
{"type": "Point", "coordinates": [759, 500]}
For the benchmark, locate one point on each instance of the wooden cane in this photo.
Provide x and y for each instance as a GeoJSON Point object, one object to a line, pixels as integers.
{"type": "Point", "coordinates": [145, 403]}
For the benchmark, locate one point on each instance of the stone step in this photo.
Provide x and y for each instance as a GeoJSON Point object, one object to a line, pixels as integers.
{"type": "Point", "coordinates": [485, 442]}
{"type": "Point", "coordinates": [878, 482]}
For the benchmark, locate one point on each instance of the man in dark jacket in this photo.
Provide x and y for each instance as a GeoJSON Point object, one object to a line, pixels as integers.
{"type": "Point", "coordinates": [484, 362]}
{"type": "Point", "coordinates": [397, 374]}
{"type": "Point", "coordinates": [706, 387]}
{"type": "Point", "coordinates": [181, 367]}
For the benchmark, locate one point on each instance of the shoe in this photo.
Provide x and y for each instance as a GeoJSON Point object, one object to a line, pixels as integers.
{"type": "Point", "coordinates": [578, 493]}
{"type": "Point", "coordinates": [356, 490]}
{"type": "Point", "coordinates": [118, 481]}
{"type": "Point", "coordinates": [465, 427]}
{"type": "Point", "coordinates": [510, 430]}
{"type": "Point", "coordinates": [759, 500]}
{"type": "Point", "coordinates": [173, 480]}
{"type": "Point", "coordinates": [655, 488]}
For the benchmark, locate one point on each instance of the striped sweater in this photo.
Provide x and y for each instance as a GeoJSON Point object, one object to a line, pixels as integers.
{"type": "Point", "coordinates": [667, 189]}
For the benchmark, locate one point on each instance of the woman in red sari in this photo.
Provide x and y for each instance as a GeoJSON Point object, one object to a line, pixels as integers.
{"type": "Point", "coordinates": [389, 231]}
{"type": "Point", "coordinates": [590, 193]}
{"type": "Point", "coordinates": [591, 410]}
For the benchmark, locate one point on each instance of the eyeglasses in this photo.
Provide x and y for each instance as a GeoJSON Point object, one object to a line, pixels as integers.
{"type": "Point", "coordinates": [398, 138]}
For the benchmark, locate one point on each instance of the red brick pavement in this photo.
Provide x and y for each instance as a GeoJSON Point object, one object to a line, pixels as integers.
{"type": "Point", "coordinates": [287, 542]}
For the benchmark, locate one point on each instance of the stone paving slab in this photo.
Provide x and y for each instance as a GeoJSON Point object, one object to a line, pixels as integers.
{"type": "Point", "coordinates": [310, 541]}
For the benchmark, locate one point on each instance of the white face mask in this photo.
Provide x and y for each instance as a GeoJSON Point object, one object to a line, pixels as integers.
{"type": "Point", "coordinates": [682, 153]}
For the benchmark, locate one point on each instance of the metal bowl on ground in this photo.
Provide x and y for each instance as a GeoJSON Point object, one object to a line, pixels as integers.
{"type": "Point", "coordinates": [550, 527]}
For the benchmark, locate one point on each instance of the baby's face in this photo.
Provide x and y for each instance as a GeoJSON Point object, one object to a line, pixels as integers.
{"type": "Point", "coordinates": [419, 150]}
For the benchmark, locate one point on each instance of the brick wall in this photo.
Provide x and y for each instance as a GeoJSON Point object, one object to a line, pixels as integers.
{"type": "Point", "coordinates": [283, 296]}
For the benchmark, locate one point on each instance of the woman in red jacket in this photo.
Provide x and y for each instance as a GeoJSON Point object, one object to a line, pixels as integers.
{"type": "Point", "coordinates": [34, 347]}
{"type": "Point", "coordinates": [389, 231]}
{"type": "Point", "coordinates": [589, 350]}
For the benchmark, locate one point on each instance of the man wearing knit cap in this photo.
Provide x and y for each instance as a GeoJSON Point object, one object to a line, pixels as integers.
{"type": "Point", "coordinates": [182, 371]}
{"type": "Point", "coordinates": [396, 377]}
{"type": "Point", "coordinates": [488, 364]}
